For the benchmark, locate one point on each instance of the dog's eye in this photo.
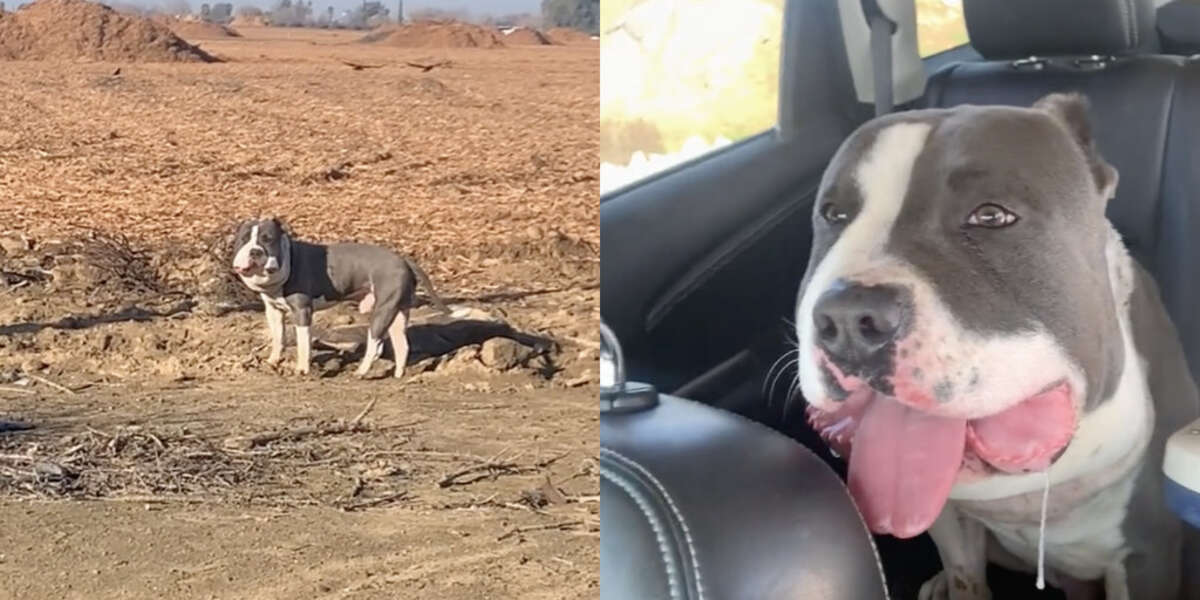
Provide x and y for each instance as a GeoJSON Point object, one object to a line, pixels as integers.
{"type": "Point", "coordinates": [834, 214]}
{"type": "Point", "coordinates": [992, 216]}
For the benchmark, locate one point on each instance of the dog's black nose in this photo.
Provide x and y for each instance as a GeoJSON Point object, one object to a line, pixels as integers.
{"type": "Point", "coordinates": [256, 253]}
{"type": "Point", "coordinates": [855, 322]}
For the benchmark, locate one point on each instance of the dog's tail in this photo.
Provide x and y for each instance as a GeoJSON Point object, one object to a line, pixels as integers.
{"type": "Point", "coordinates": [423, 279]}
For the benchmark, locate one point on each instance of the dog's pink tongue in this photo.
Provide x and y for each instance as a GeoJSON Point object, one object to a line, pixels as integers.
{"type": "Point", "coordinates": [903, 465]}
{"type": "Point", "coordinates": [1027, 436]}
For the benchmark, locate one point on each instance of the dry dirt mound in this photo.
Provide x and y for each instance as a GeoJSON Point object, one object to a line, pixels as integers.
{"type": "Point", "coordinates": [199, 30]}
{"type": "Point", "coordinates": [448, 34]}
{"type": "Point", "coordinates": [249, 21]}
{"type": "Point", "coordinates": [524, 36]}
{"type": "Point", "coordinates": [569, 36]}
{"type": "Point", "coordinates": [77, 29]}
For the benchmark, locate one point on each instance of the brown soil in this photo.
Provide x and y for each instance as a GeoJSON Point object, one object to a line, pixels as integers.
{"type": "Point", "coordinates": [81, 30]}
{"type": "Point", "coordinates": [199, 30]}
{"type": "Point", "coordinates": [448, 34]}
{"type": "Point", "coordinates": [167, 460]}
{"type": "Point", "coordinates": [132, 492]}
{"type": "Point", "coordinates": [524, 36]}
{"type": "Point", "coordinates": [567, 35]}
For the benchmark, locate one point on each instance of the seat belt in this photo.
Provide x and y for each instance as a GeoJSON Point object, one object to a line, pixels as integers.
{"type": "Point", "coordinates": [882, 29]}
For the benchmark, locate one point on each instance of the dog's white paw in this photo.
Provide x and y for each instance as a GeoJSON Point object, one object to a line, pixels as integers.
{"type": "Point", "coordinates": [274, 360]}
{"type": "Point", "coordinates": [302, 369]}
{"type": "Point", "coordinates": [935, 588]}
{"type": "Point", "coordinates": [943, 586]}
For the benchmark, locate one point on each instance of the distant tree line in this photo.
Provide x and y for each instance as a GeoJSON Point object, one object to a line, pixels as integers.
{"type": "Point", "coordinates": [441, 14]}
{"type": "Point", "coordinates": [580, 14]}
{"type": "Point", "coordinates": [366, 15]}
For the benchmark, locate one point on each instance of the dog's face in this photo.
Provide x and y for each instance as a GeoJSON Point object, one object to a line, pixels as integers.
{"type": "Point", "coordinates": [957, 315]}
{"type": "Point", "coordinates": [261, 252]}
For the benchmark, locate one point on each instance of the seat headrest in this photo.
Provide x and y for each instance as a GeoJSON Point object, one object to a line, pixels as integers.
{"type": "Point", "coordinates": [1006, 29]}
{"type": "Point", "coordinates": [1179, 27]}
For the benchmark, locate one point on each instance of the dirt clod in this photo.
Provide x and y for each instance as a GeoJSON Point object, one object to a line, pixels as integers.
{"type": "Point", "coordinates": [502, 354]}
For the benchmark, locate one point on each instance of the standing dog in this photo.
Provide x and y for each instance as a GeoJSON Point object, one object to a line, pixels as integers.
{"type": "Point", "coordinates": [297, 278]}
{"type": "Point", "coordinates": [975, 337]}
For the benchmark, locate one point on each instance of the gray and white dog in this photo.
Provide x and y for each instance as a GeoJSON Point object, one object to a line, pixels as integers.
{"type": "Point", "coordinates": [974, 336]}
{"type": "Point", "coordinates": [298, 278]}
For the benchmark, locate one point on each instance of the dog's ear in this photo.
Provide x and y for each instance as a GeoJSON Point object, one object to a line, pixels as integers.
{"type": "Point", "coordinates": [283, 226]}
{"type": "Point", "coordinates": [242, 230]}
{"type": "Point", "coordinates": [1072, 111]}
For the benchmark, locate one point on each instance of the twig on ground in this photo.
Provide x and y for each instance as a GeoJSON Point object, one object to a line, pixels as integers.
{"type": "Point", "coordinates": [401, 495]}
{"type": "Point", "coordinates": [262, 439]}
{"type": "Point", "coordinates": [97, 431]}
{"type": "Point", "coordinates": [562, 526]}
{"type": "Point", "coordinates": [57, 386]}
{"type": "Point", "coordinates": [525, 507]}
{"type": "Point", "coordinates": [553, 459]}
{"type": "Point", "coordinates": [358, 419]}
{"type": "Point", "coordinates": [16, 390]}
{"type": "Point", "coordinates": [492, 469]}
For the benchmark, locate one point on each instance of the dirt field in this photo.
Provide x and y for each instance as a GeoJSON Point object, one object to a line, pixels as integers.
{"type": "Point", "coordinates": [166, 459]}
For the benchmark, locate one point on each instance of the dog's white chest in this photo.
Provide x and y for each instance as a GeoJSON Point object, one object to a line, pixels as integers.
{"type": "Point", "coordinates": [1092, 484]}
{"type": "Point", "coordinates": [1083, 534]}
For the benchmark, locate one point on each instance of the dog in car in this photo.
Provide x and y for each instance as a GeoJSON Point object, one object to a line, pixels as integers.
{"type": "Point", "coordinates": [976, 339]}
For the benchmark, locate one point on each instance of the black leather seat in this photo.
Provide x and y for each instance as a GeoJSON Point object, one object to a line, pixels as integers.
{"type": "Point", "coordinates": [1179, 27]}
{"type": "Point", "coordinates": [1145, 111]}
{"type": "Point", "coordinates": [696, 502]}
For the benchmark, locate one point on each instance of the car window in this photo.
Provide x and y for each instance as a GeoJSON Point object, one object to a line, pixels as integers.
{"type": "Point", "coordinates": [680, 78]}
{"type": "Point", "coordinates": [940, 26]}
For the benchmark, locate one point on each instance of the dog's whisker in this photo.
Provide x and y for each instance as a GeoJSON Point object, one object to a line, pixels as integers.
{"type": "Point", "coordinates": [774, 365]}
{"type": "Point", "coordinates": [779, 376]}
{"type": "Point", "coordinates": [792, 393]}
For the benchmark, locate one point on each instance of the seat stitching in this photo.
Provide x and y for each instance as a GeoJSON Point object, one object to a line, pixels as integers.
{"type": "Point", "coordinates": [861, 521]}
{"type": "Point", "coordinates": [687, 533]}
{"type": "Point", "coordinates": [655, 525]}
{"type": "Point", "coordinates": [1131, 25]}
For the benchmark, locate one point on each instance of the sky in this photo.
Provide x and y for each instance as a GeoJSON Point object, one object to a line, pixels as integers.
{"type": "Point", "coordinates": [493, 7]}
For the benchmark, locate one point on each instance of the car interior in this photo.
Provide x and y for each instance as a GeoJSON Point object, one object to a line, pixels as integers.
{"type": "Point", "coordinates": [713, 485]}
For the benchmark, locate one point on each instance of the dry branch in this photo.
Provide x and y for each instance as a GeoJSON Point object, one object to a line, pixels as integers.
{"type": "Point", "coordinates": [57, 386]}
{"type": "Point", "coordinates": [491, 469]}
{"type": "Point", "coordinates": [262, 439]}
{"type": "Point", "coordinates": [561, 526]}
{"type": "Point", "coordinates": [401, 495]}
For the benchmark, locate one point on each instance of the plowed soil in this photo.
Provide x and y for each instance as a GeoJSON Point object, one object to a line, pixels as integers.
{"type": "Point", "coordinates": [164, 458]}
